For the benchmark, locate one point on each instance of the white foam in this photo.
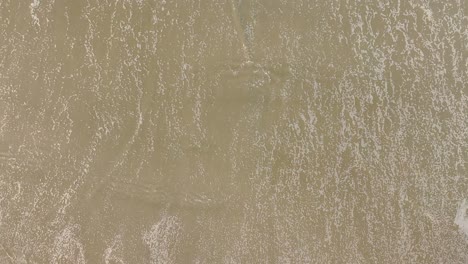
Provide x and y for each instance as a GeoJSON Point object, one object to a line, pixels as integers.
{"type": "Point", "coordinates": [32, 8]}
{"type": "Point", "coordinates": [461, 219]}
{"type": "Point", "coordinates": [162, 239]}
{"type": "Point", "coordinates": [113, 250]}
{"type": "Point", "coordinates": [67, 247]}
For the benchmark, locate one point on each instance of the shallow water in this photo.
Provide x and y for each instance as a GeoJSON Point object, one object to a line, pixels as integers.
{"type": "Point", "coordinates": [241, 131]}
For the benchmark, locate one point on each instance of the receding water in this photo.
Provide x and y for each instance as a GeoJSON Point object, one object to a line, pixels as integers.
{"type": "Point", "coordinates": [236, 131]}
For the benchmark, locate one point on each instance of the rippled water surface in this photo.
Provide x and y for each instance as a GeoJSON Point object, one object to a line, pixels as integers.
{"type": "Point", "coordinates": [234, 131]}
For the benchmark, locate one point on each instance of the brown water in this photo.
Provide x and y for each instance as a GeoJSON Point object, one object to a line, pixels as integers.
{"type": "Point", "coordinates": [268, 131]}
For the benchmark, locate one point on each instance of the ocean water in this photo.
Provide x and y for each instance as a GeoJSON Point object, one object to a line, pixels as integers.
{"type": "Point", "coordinates": [235, 131]}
